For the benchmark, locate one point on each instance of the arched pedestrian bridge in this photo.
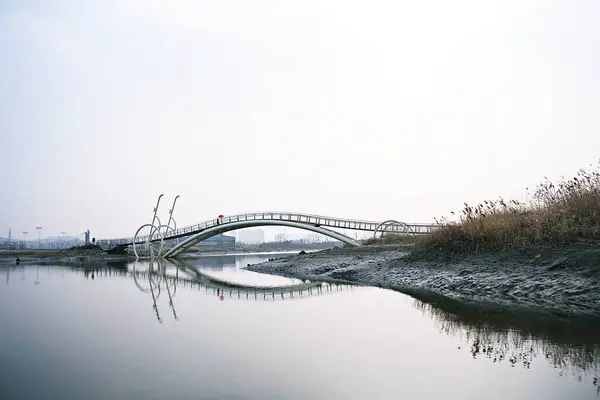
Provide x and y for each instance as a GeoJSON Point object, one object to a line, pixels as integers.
{"type": "Point", "coordinates": [183, 238]}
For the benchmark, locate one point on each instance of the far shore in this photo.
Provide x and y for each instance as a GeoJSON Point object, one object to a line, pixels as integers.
{"type": "Point", "coordinates": [98, 258]}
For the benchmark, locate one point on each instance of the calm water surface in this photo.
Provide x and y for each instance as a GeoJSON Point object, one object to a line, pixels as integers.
{"type": "Point", "coordinates": [124, 333]}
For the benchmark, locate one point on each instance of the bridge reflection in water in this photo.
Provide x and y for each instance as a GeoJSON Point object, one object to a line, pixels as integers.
{"type": "Point", "coordinates": [163, 277]}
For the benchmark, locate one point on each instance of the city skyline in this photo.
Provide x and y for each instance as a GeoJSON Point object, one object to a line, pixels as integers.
{"type": "Point", "coordinates": [273, 234]}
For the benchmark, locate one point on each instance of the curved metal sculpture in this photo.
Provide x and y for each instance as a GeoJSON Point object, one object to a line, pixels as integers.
{"type": "Point", "coordinates": [148, 240]}
{"type": "Point", "coordinates": [393, 226]}
{"type": "Point", "coordinates": [232, 226]}
{"type": "Point", "coordinates": [168, 230]}
{"type": "Point", "coordinates": [171, 215]}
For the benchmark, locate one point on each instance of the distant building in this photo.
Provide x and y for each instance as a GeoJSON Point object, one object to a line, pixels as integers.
{"type": "Point", "coordinates": [218, 242]}
{"type": "Point", "coordinates": [251, 236]}
{"type": "Point", "coordinates": [312, 238]}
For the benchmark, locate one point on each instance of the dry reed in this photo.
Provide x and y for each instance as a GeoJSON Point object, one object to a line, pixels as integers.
{"type": "Point", "coordinates": [557, 214]}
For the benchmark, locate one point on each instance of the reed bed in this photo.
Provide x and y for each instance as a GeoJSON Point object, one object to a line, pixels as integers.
{"type": "Point", "coordinates": [557, 214]}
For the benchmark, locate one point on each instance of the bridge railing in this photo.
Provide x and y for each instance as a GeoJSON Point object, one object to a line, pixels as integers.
{"type": "Point", "coordinates": [317, 220]}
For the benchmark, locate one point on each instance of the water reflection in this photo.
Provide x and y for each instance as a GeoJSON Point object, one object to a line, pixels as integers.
{"type": "Point", "coordinates": [218, 262]}
{"type": "Point", "coordinates": [571, 346]}
{"type": "Point", "coordinates": [158, 276]}
{"type": "Point", "coordinates": [157, 282]}
{"type": "Point", "coordinates": [527, 342]}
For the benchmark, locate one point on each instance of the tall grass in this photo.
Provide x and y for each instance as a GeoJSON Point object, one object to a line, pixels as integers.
{"type": "Point", "coordinates": [558, 214]}
{"type": "Point", "coordinates": [391, 238]}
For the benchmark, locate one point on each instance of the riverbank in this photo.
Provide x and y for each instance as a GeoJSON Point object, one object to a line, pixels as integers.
{"type": "Point", "coordinates": [559, 281]}
{"type": "Point", "coordinates": [80, 257]}
{"type": "Point", "coordinates": [100, 258]}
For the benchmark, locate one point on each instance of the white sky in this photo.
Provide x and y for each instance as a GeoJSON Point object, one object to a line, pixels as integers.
{"type": "Point", "coordinates": [366, 110]}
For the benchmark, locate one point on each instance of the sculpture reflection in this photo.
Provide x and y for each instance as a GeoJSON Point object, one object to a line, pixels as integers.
{"type": "Point", "coordinates": [157, 281]}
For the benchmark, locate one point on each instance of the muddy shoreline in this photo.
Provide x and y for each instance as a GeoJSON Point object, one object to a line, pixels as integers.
{"type": "Point", "coordinates": [556, 281]}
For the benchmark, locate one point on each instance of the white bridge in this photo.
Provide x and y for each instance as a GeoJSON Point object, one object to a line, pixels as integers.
{"type": "Point", "coordinates": [177, 241]}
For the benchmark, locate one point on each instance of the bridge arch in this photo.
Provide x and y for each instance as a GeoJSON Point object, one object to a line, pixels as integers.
{"type": "Point", "coordinates": [232, 226]}
{"type": "Point", "coordinates": [401, 227]}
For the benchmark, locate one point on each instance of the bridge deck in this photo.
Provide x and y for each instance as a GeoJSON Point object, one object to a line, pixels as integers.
{"type": "Point", "coordinates": [316, 220]}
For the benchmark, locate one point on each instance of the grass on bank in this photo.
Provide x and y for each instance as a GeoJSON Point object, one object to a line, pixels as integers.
{"type": "Point", "coordinates": [557, 214]}
{"type": "Point", "coordinates": [391, 238]}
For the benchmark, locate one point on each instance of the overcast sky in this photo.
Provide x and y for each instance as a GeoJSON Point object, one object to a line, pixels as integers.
{"type": "Point", "coordinates": [367, 110]}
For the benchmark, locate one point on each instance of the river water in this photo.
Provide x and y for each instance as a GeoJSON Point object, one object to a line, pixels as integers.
{"type": "Point", "coordinates": [176, 332]}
